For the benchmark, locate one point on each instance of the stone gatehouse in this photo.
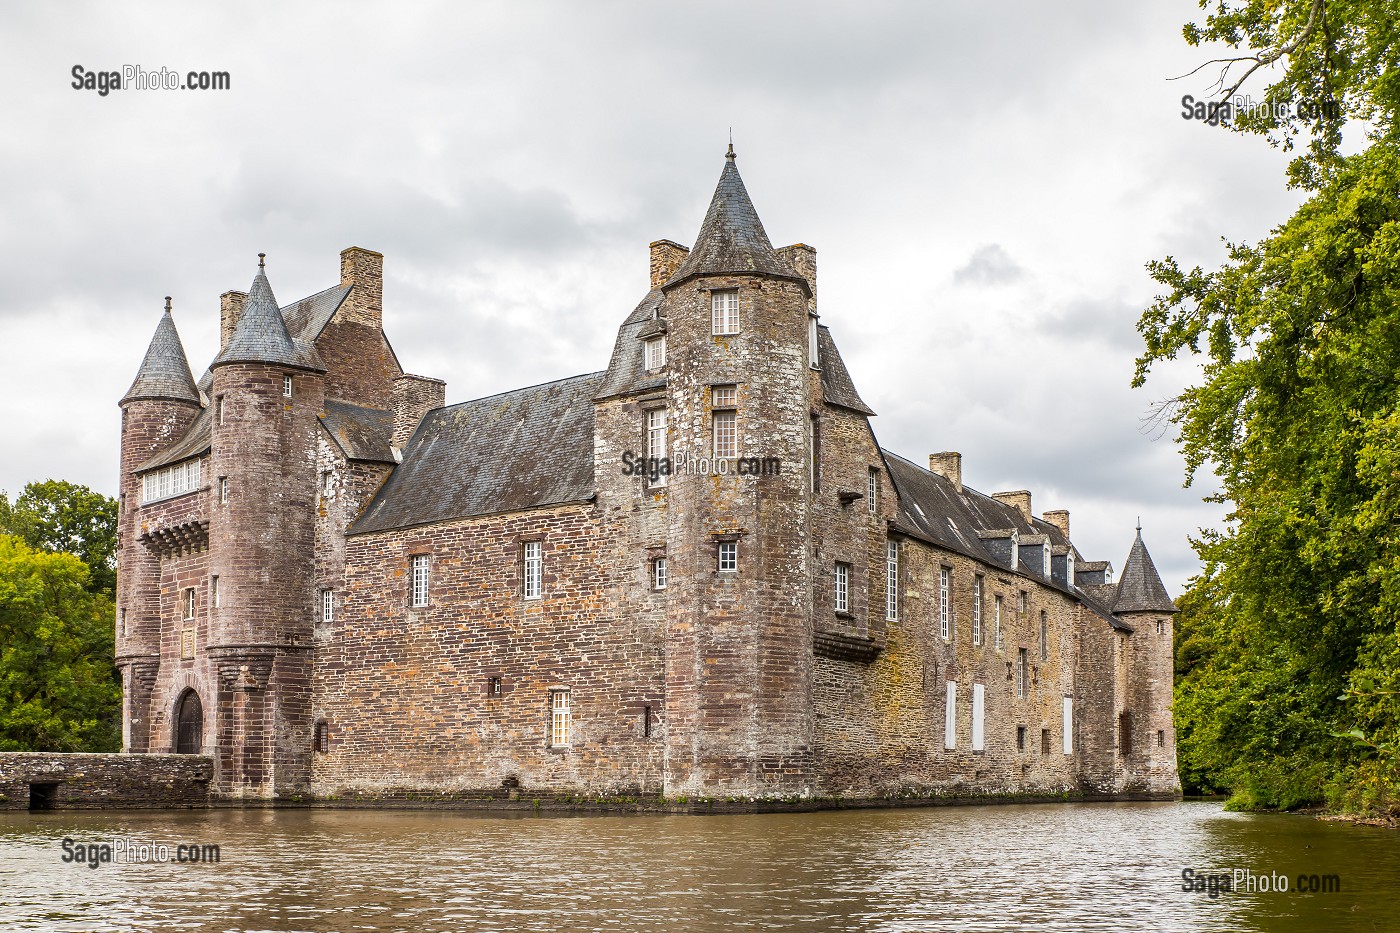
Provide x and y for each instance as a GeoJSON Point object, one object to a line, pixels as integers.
{"type": "Point", "coordinates": [333, 584]}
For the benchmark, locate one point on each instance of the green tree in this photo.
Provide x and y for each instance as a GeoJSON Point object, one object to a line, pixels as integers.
{"type": "Point", "coordinates": [58, 687]}
{"type": "Point", "coordinates": [1288, 650]}
{"type": "Point", "coordinates": [62, 517]}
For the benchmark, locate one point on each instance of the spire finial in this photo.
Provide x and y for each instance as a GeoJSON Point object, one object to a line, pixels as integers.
{"type": "Point", "coordinates": [261, 258]}
{"type": "Point", "coordinates": [730, 154]}
{"type": "Point", "coordinates": [167, 304]}
{"type": "Point", "coordinates": [1139, 524]}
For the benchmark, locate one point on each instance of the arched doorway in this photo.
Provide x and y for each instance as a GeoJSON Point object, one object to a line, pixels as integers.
{"type": "Point", "coordinates": [189, 724]}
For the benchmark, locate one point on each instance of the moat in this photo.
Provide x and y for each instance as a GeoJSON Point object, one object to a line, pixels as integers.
{"type": "Point", "coordinates": [1078, 867]}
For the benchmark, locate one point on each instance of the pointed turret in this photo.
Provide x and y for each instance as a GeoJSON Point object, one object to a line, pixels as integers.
{"type": "Point", "coordinates": [261, 334]}
{"type": "Point", "coordinates": [732, 239]}
{"type": "Point", "coordinates": [1140, 588]}
{"type": "Point", "coordinates": [165, 372]}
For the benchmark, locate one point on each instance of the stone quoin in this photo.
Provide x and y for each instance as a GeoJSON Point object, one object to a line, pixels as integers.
{"type": "Point", "coordinates": [336, 586]}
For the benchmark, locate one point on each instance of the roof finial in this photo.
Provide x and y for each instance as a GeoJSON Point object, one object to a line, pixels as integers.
{"type": "Point", "coordinates": [261, 257]}
{"type": "Point", "coordinates": [730, 154]}
{"type": "Point", "coordinates": [167, 304]}
{"type": "Point", "coordinates": [1139, 524]}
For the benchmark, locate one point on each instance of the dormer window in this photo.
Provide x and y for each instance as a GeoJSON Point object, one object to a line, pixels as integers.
{"type": "Point", "coordinates": [1069, 569]}
{"type": "Point", "coordinates": [654, 350]}
{"type": "Point", "coordinates": [286, 386]}
{"type": "Point", "coordinates": [724, 311]}
{"type": "Point", "coordinates": [1045, 560]}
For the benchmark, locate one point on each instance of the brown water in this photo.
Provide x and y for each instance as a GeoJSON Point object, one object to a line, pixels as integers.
{"type": "Point", "coordinates": [1085, 867]}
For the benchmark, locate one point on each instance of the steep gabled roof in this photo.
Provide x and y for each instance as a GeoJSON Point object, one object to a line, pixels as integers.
{"type": "Point", "coordinates": [837, 385]}
{"type": "Point", "coordinates": [361, 433]}
{"type": "Point", "coordinates": [627, 372]}
{"type": "Point", "coordinates": [1140, 588]}
{"type": "Point", "coordinates": [195, 443]}
{"type": "Point", "coordinates": [505, 453]}
{"type": "Point", "coordinates": [732, 239]}
{"type": "Point", "coordinates": [309, 316]}
{"type": "Point", "coordinates": [261, 335]}
{"type": "Point", "coordinates": [165, 371]}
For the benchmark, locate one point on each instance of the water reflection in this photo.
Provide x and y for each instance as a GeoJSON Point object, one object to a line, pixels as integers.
{"type": "Point", "coordinates": [1107, 867]}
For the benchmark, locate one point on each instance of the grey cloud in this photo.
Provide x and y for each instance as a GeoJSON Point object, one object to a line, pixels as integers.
{"type": "Point", "coordinates": [988, 265]}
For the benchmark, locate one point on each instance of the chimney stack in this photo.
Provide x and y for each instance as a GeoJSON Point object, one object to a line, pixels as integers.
{"type": "Point", "coordinates": [803, 259]}
{"type": "Point", "coordinates": [230, 310]}
{"type": "Point", "coordinates": [1020, 498]}
{"type": "Point", "coordinates": [414, 397]}
{"type": "Point", "coordinates": [666, 258]}
{"type": "Point", "coordinates": [363, 269]}
{"type": "Point", "coordinates": [1060, 519]}
{"type": "Point", "coordinates": [947, 465]}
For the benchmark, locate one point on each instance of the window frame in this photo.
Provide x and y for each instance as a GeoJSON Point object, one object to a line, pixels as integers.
{"type": "Point", "coordinates": [657, 440]}
{"type": "Point", "coordinates": [189, 603]}
{"type": "Point", "coordinates": [286, 386]}
{"type": "Point", "coordinates": [841, 587]}
{"type": "Point", "coordinates": [945, 603]}
{"type": "Point", "coordinates": [327, 605]}
{"type": "Point", "coordinates": [997, 603]}
{"type": "Point", "coordinates": [724, 312]}
{"type": "Point", "coordinates": [654, 353]}
{"type": "Point", "coordinates": [891, 581]}
{"type": "Point", "coordinates": [531, 569]}
{"type": "Point", "coordinates": [560, 718]}
{"type": "Point", "coordinates": [727, 553]}
{"type": "Point", "coordinates": [658, 573]}
{"type": "Point", "coordinates": [419, 580]}
{"type": "Point", "coordinates": [978, 584]}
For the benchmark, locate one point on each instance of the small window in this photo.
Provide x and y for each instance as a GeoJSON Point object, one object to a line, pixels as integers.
{"type": "Point", "coordinates": [726, 431]}
{"type": "Point", "coordinates": [322, 741]}
{"type": "Point", "coordinates": [1125, 733]}
{"type": "Point", "coordinates": [223, 490]}
{"type": "Point", "coordinates": [533, 557]}
{"type": "Point", "coordinates": [892, 581]}
{"type": "Point", "coordinates": [187, 642]}
{"type": "Point", "coordinates": [1044, 636]}
{"type": "Point", "coordinates": [1021, 604]}
{"type": "Point", "coordinates": [327, 483]}
{"type": "Point", "coordinates": [190, 603]}
{"type": "Point", "coordinates": [1020, 738]}
{"type": "Point", "coordinates": [655, 352]}
{"type": "Point", "coordinates": [658, 574]}
{"type": "Point", "coordinates": [1045, 741]}
{"type": "Point", "coordinates": [216, 599]}
{"type": "Point", "coordinates": [872, 490]}
{"type": "Point", "coordinates": [1022, 674]}
{"type": "Point", "coordinates": [812, 352]}
{"type": "Point", "coordinates": [646, 722]}
{"type": "Point", "coordinates": [328, 605]}
{"type": "Point", "coordinates": [419, 566]}
{"type": "Point", "coordinates": [996, 622]}
{"type": "Point", "coordinates": [493, 686]}
{"type": "Point", "coordinates": [1161, 627]}
{"type": "Point", "coordinates": [1161, 738]}
{"type": "Point", "coordinates": [724, 396]}
{"type": "Point", "coordinates": [287, 386]}
{"type": "Point", "coordinates": [559, 719]}
{"type": "Point", "coordinates": [656, 442]}
{"type": "Point", "coordinates": [728, 556]}
{"type": "Point", "coordinates": [220, 407]}
{"type": "Point", "coordinates": [945, 603]}
{"type": "Point", "coordinates": [724, 311]}
{"type": "Point", "coordinates": [122, 619]}
{"type": "Point", "coordinates": [842, 584]}
{"type": "Point", "coordinates": [1069, 569]}
{"type": "Point", "coordinates": [977, 584]}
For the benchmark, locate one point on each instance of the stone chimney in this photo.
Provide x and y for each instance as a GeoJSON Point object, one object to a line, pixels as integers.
{"type": "Point", "coordinates": [414, 397]}
{"type": "Point", "coordinates": [230, 310]}
{"type": "Point", "coordinates": [1060, 519]}
{"type": "Point", "coordinates": [363, 269]}
{"type": "Point", "coordinates": [666, 258]}
{"type": "Point", "coordinates": [803, 259]}
{"type": "Point", "coordinates": [1020, 498]}
{"type": "Point", "coordinates": [947, 465]}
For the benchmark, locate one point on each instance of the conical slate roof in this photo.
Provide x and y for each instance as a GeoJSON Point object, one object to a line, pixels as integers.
{"type": "Point", "coordinates": [165, 372]}
{"type": "Point", "coordinates": [1140, 588]}
{"type": "Point", "coordinates": [261, 335]}
{"type": "Point", "coordinates": [732, 239]}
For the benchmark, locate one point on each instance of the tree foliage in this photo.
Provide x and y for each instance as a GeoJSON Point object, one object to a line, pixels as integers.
{"type": "Point", "coordinates": [62, 517]}
{"type": "Point", "coordinates": [58, 686]}
{"type": "Point", "coordinates": [1288, 648]}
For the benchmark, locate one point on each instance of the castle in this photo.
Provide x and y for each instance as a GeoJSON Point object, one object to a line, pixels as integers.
{"type": "Point", "coordinates": [694, 573]}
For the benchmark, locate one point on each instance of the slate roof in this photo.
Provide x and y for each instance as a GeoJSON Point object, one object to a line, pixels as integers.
{"type": "Point", "coordinates": [308, 317]}
{"type": "Point", "coordinates": [1140, 588]}
{"type": "Point", "coordinates": [837, 386]}
{"type": "Point", "coordinates": [195, 443]}
{"type": "Point", "coordinates": [627, 373]}
{"type": "Point", "coordinates": [732, 238]}
{"type": "Point", "coordinates": [262, 335]}
{"type": "Point", "coordinates": [361, 433]}
{"type": "Point", "coordinates": [165, 372]}
{"type": "Point", "coordinates": [517, 450]}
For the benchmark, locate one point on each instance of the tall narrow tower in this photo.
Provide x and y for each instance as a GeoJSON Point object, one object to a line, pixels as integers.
{"type": "Point", "coordinates": [157, 410]}
{"type": "Point", "coordinates": [267, 393]}
{"type": "Point", "coordinates": [738, 629]}
{"type": "Point", "coordinates": [1146, 750]}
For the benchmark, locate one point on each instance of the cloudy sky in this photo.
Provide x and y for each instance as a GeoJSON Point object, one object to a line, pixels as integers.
{"type": "Point", "coordinates": [983, 184]}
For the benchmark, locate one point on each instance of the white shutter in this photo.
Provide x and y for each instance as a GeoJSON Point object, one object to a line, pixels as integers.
{"type": "Point", "coordinates": [979, 710]}
{"type": "Point", "coordinates": [950, 716]}
{"type": "Point", "coordinates": [1067, 726]}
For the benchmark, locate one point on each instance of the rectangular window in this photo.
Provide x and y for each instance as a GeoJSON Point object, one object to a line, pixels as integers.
{"type": "Point", "coordinates": [216, 598]}
{"type": "Point", "coordinates": [287, 386]}
{"type": "Point", "coordinates": [559, 719]}
{"type": "Point", "coordinates": [328, 605]}
{"type": "Point", "coordinates": [950, 716]}
{"type": "Point", "coordinates": [1161, 738]}
{"type": "Point", "coordinates": [656, 440]}
{"type": "Point", "coordinates": [1022, 670]}
{"type": "Point", "coordinates": [892, 581]}
{"type": "Point", "coordinates": [726, 434]}
{"type": "Point", "coordinates": [655, 353]}
{"type": "Point", "coordinates": [1125, 732]}
{"type": "Point", "coordinates": [322, 741]}
{"type": "Point", "coordinates": [1067, 725]}
{"type": "Point", "coordinates": [646, 722]}
{"type": "Point", "coordinates": [1044, 636]}
{"type": "Point", "coordinates": [326, 483]}
{"type": "Point", "coordinates": [977, 609]}
{"type": "Point", "coordinates": [493, 686]}
{"type": "Point", "coordinates": [842, 587]}
{"type": "Point", "coordinates": [187, 642]}
{"type": "Point", "coordinates": [1045, 741]}
{"type": "Point", "coordinates": [724, 311]}
{"type": "Point", "coordinates": [724, 396]}
{"type": "Point", "coordinates": [220, 408]}
{"type": "Point", "coordinates": [945, 603]}
{"type": "Point", "coordinates": [170, 481]}
{"type": "Point", "coordinates": [533, 557]}
{"type": "Point", "coordinates": [122, 619]}
{"type": "Point", "coordinates": [996, 622]}
{"type": "Point", "coordinates": [189, 602]}
{"type": "Point", "coordinates": [872, 490]}
{"type": "Point", "coordinates": [979, 713]}
{"type": "Point", "coordinates": [658, 573]}
{"type": "Point", "coordinates": [1021, 604]}
{"type": "Point", "coordinates": [728, 556]}
{"type": "Point", "coordinates": [418, 564]}
{"type": "Point", "coordinates": [223, 489]}
{"type": "Point", "coordinates": [814, 360]}
{"type": "Point", "coordinates": [816, 456]}
{"type": "Point", "coordinates": [1020, 738]}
